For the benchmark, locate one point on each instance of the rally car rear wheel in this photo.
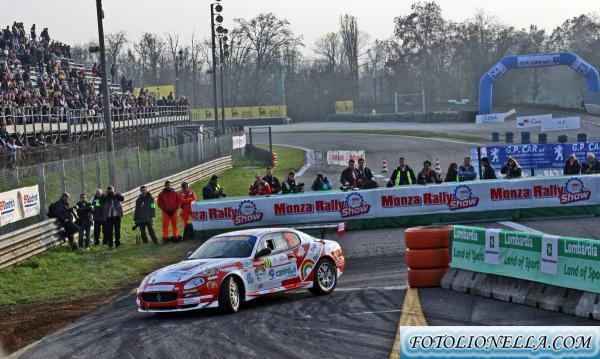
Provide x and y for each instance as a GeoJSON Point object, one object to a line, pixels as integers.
{"type": "Point", "coordinates": [325, 278]}
{"type": "Point", "coordinates": [229, 296]}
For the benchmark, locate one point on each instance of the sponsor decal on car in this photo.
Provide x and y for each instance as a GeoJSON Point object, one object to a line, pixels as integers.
{"type": "Point", "coordinates": [159, 288]}
{"type": "Point", "coordinates": [187, 301]}
{"type": "Point", "coordinates": [307, 267]}
{"type": "Point", "coordinates": [247, 264]}
{"type": "Point", "coordinates": [212, 285]}
{"type": "Point", "coordinates": [300, 251]}
{"type": "Point", "coordinates": [249, 278]}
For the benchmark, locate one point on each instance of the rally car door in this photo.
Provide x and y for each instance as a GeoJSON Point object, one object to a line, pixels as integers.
{"type": "Point", "coordinates": [275, 268]}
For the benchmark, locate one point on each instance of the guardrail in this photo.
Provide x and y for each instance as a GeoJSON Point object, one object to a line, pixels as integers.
{"type": "Point", "coordinates": [19, 245]}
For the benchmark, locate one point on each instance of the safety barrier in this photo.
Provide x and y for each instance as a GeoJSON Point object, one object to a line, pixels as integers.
{"type": "Point", "coordinates": [546, 271]}
{"type": "Point", "coordinates": [27, 242]}
{"type": "Point", "coordinates": [427, 255]}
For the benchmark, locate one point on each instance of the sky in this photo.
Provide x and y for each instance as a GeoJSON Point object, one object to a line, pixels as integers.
{"type": "Point", "coordinates": [74, 21]}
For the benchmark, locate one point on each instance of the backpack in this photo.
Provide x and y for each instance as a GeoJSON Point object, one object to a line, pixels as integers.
{"type": "Point", "coordinates": [50, 212]}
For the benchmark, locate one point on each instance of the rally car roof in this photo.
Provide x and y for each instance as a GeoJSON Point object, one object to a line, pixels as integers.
{"type": "Point", "coordinates": [256, 232]}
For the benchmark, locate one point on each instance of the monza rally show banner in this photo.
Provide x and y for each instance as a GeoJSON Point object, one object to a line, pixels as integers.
{"type": "Point", "coordinates": [561, 261]}
{"type": "Point", "coordinates": [331, 206]}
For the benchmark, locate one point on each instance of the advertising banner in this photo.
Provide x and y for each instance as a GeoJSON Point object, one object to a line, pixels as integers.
{"type": "Point", "coordinates": [401, 201]}
{"type": "Point", "coordinates": [157, 91]}
{"type": "Point", "coordinates": [9, 207]}
{"type": "Point", "coordinates": [240, 113]}
{"type": "Point", "coordinates": [494, 117]}
{"type": "Point", "coordinates": [344, 107]}
{"type": "Point", "coordinates": [561, 261]}
{"type": "Point", "coordinates": [342, 157]}
{"type": "Point", "coordinates": [561, 123]}
{"type": "Point", "coordinates": [538, 60]}
{"type": "Point", "coordinates": [532, 121]}
{"type": "Point", "coordinates": [29, 201]}
{"type": "Point", "coordinates": [239, 141]}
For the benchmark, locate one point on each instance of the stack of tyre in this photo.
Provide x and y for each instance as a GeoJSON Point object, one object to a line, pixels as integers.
{"type": "Point", "coordinates": [427, 255]}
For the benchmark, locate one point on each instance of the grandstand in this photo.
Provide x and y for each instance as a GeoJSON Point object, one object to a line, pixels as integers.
{"type": "Point", "coordinates": [43, 91]}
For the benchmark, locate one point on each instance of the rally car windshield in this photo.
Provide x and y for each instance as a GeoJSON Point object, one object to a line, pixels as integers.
{"type": "Point", "coordinates": [225, 247]}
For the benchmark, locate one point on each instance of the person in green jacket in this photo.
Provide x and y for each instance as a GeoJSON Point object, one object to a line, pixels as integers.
{"type": "Point", "coordinates": [143, 216]}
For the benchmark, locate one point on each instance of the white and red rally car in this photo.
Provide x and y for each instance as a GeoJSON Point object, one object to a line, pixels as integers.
{"type": "Point", "coordinates": [238, 266]}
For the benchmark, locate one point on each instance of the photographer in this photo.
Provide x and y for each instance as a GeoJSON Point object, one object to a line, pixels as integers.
{"type": "Point", "coordinates": [260, 187]}
{"type": "Point", "coordinates": [511, 169]}
{"type": "Point", "coordinates": [489, 172]}
{"type": "Point", "coordinates": [290, 185]}
{"type": "Point", "coordinates": [64, 214]}
{"type": "Point", "coordinates": [213, 189]}
{"type": "Point", "coordinates": [113, 212]}
{"type": "Point", "coordinates": [84, 220]}
{"type": "Point", "coordinates": [365, 176]}
{"type": "Point", "coordinates": [349, 176]}
{"type": "Point", "coordinates": [99, 216]}
{"type": "Point", "coordinates": [272, 181]}
{"type": "Point", "coordinates": [427, 175]}
{"type": "Point", "coordinates": [143, 215]}
{"type": "Point", "coordinates": [321, 183]}
{"type": "Point", "coordinates": [591, 165]}
{"type": "Point", "coordinates": [572, 166]}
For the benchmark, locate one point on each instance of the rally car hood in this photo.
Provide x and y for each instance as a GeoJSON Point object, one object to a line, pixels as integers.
{"type": "Point", "coordinates": [183, 271]}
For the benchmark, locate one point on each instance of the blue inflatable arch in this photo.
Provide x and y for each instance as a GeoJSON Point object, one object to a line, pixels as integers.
{"type": "Point", "coordinates": [541, 60]}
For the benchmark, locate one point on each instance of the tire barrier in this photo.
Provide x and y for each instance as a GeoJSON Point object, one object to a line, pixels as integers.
{"type": "Point", "coordinates": [525, 137]}
{"type": "Point", "coordinates": [427, 255]}
{"type": "Point", "coordinates": [563, 139]}
{"type": "Point", "coordinates": [509, 137]}
{"type": "Point", "coordinates": [582, 137]}
{"type": "Point", "coordinates": [274, 159]}
{"type": "Point", "coordinates": [542, 138]}
{"type": "Point", "coordinates": [495, 137]}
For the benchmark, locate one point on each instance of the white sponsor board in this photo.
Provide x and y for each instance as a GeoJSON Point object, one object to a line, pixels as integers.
{"type": "Point", "coordinates": [341, 158]}
{"type": "Point", "coordinates": [532, 121]}
{"type": "Point", "coordinates": [337, 206]}
{"type": "Point", "coordinates": [9, 207]}
{"type": "Point", "coordinates": [538, 60]}
{"type": "Point", "coordinates": [494, 117]}
{"type": "Point", "coordinates": [29, 200]}
{"type": "Point", "coordinates": [239, 141]}
{"type": "Point", "coordinates": [561, 124]}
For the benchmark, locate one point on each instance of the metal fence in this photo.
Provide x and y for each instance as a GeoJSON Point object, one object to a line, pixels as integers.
{"type": "Point", "coordinates": [136, 165]}
{"type": "Point", "coordinates": [64, 125]}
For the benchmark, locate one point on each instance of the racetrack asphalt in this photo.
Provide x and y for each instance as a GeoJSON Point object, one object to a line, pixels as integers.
{"type": "Point", "coordinates": [359, 320]}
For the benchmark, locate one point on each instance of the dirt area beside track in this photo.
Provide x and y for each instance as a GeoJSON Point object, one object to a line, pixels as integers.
{"type": "Point", "coordinates": [22, 324]}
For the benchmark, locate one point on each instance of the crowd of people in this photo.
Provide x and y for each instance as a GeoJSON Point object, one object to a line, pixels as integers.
{"type": "Point", "coordinates": [55, 87]}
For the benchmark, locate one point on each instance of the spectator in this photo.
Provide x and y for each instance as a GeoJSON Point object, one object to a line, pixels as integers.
{"type": "Point", "coordinates": [572, 166]}
{"type": "Point", "coordinates": [291, 186]}
{"type": "Point", "coordinates": [169, 202]}
{"type": "Point", "coordinates": [402, 175]}
{"type": "Point", "coordinates": [99, 216]}
{"type": "Point", "coordinates": [466, 172]}
{"type": "Point", "coordinates": [144, 213]}
{"type": "Point", "coordinates": [113, 73]}
{"type": "Point", "coordinates": [272, 181]}
{"type": "Point", "coordinates": [85, 211]}
{"type": "Point", "coordinates": [452, 173]}
{"type": "Point", "coordinates": [213, 190]}
{"type": "Point", "coordinates": [365, 176]}
{"type": "Point", "coordinates": [187, 197]}
{"type": "Point", "coordinates": [321, 183]}
{"type": "Point", "coordinates": [591, 165]}
{"type": "Point", "coordinates": [259, 187]}
{"type": "Point", "coordinates": [44, 35]}
{"type": "Point", "coordinates": [32, 32]}
{"type": "Point", "coordinates": [64, 214]}
{"type": "Point", "coordinates": [427, 175]}
{"type": "Point", "coordinates": [95, 70]}
{"type": "Point", "coordinates": [489, 172]}
{"type": "Point", "coordinates": [4, 136]}
{"type": "Point", "coordinates": [114, 212]}
{"type": "Point", "coordinates": [511, 169]}
{"type": "Point", "coordinates": [41, 141]}
{"type": "Point", "coordinates": [349, 176]}
{"type": "Point", "coordinates": [12, 144]}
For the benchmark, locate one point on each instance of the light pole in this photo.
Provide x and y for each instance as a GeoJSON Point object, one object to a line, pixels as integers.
{"type": "Point", "coordinates": [178, 64]}
{"type": "Point", "coordinates": [110, 146]}
{"type": "Point", "coordinates": [215, 8]}
{"type": "Point", "coordinates": [223, 54]}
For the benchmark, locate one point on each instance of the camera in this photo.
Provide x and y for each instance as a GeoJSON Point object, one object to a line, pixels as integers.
{"type": "Point", "coordinates": [135, 226]}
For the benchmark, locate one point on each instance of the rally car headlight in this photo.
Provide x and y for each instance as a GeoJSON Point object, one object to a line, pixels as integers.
{"type": "Point", "coordinates": [141, 287]}
{"type": "Point", "coordinates": [194, 283]}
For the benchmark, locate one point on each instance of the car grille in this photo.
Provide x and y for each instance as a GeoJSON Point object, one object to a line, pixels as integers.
{"type": "Point", "coordinates": [159, 297]}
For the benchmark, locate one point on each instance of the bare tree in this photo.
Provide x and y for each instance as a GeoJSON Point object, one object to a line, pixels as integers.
{"type": "Point", "coordinates": [115, 43]}
{"type": "Point", "coordinates": [353, 42]}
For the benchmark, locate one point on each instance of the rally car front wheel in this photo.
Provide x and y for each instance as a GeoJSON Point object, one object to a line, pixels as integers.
{"type": "Point", "coordinates": [325, 278]}
{"type": "Point", "coordinates": [230, 297]}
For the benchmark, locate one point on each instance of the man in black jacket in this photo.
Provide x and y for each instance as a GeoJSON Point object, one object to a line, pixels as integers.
{"type": "Point", "coordinates": [99, 216]}
{"type": "Point", "coordinates": [291, 186]}
{"type": "Point", "coordinates": [427, 175]}
{"type": "Point", "coordinates": [402, 175]}
{"type": "Point", "coordinates": [272, 181]}
{"type": "Point", "coordinates": [63, 213]}
{"type": "Point", "coordinates": [365, 176]}
{"type": "Point", "coordinates": [143, 216]}
{"type": "Point", "coordinates": [213, 190]}
{"type": "Point", "coordinates": [349, 176]}
{"type": "Point", "coordinates": [488, 170]}
{"type": "Point", "coordinates": [591, 165]}
{"type": "Point", "coordinates": [84, 220]}
{"type": "Point", "coordinates": [114, 212]}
